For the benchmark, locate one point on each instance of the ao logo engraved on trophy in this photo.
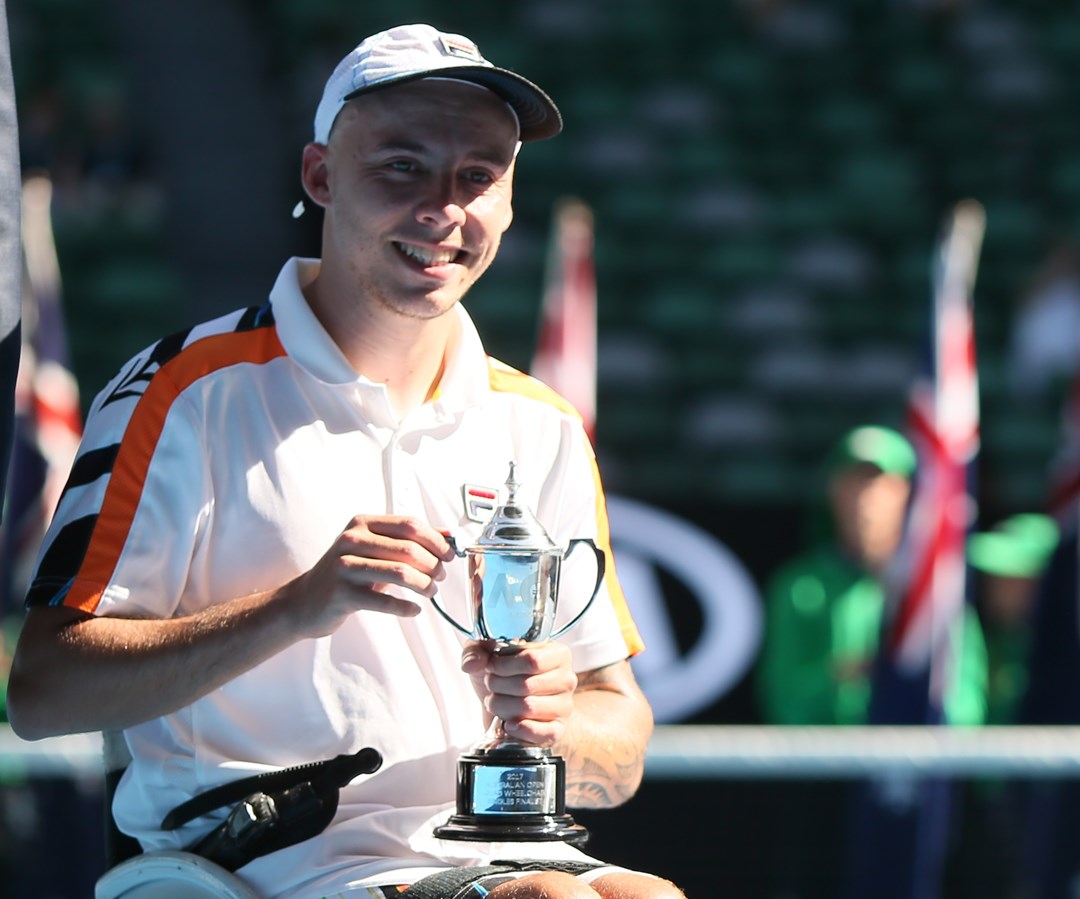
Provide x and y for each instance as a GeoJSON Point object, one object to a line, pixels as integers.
{"type": "Point", "coordinates": [648, 541]}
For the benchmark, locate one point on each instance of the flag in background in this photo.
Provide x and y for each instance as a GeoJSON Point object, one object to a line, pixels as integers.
{"type": "Point", "coordinates": [900, 826]}
{"type": "Point", "coordinates": [48, 422]}
{"type": "Point", "coordinates": [927, 588]}
{"type": "Point", "coordinates": [565, 356]}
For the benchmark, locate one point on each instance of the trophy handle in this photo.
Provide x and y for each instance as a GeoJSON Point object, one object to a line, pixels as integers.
{"type": "Point", "coordinates": [600, 566]}
{"type": "Point", "coordinates": [450, 618]}
{"type": "Point", "coordinates": [460, 553]}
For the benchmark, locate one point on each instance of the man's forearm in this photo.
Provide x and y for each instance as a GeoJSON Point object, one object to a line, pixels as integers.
{"type": "Point", "coordinates": [77, 673]}
{"type": "Point", "coordinates": [605, 747]}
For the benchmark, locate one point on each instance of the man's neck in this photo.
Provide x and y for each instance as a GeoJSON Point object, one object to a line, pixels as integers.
{"type": "Point", "coordinates": [407, 355]}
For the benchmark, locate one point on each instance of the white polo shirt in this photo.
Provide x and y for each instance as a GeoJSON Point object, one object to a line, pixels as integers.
{"type": "Point", "coordinates": [225, 461]}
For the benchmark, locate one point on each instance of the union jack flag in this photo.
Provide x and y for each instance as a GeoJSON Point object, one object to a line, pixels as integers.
{"type": "Point", "coordinates": [927, 585]}
{"type": "Point", "coordinates": [48, 419]}
{"type": "Point", "coordinates": [565, 356]}
{"type": "Point", "coordinates": [900, 827]}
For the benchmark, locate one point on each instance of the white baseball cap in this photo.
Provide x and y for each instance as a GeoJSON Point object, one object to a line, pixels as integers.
{"type": "Point", "coordinates": [410, 52]}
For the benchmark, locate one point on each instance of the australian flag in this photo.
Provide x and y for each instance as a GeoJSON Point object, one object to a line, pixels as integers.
{"type": "Point", "coordinates": [899, 829]}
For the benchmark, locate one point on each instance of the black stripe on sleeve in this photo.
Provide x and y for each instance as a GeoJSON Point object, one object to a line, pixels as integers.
{"type": "Point", "coordinates": [60, 563]}
{"type": "Point", "coordinates": [169, 347]}
{"type": "Point", "coordinates": [92, 465]}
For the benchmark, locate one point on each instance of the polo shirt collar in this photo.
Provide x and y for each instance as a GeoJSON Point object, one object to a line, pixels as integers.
{"type": "Point", "coordinates": [465, 378]}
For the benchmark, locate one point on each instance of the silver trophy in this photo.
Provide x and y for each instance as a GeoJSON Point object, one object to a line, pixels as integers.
{"type": "Point", "coordinates": [509, 790]}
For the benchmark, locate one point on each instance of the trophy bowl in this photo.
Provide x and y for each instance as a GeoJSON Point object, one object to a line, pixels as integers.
{"type": "Point", "coordinates": [507, 789]}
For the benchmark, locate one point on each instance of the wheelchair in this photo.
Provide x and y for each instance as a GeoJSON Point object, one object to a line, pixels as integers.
{"type": "Point", "coordinates": [308, 793]}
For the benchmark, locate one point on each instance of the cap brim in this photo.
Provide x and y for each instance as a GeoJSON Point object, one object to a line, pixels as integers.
{"type": "Point", "coordinates": [538, 116]}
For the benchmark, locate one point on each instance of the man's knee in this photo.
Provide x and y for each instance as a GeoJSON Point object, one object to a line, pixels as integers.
{"type": "Point", "coordinates": [635, 886]}
{"type": "Point", "coordinates": [546, 885]}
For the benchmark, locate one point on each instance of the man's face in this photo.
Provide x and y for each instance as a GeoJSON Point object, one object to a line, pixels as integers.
{"type": "Point", "coordinates": [417, 185]}
{"type": "Point", "coordinates": [869, 507]}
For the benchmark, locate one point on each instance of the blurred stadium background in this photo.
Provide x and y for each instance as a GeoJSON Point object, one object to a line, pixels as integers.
{"type": "Point", "coordinates": [768, 180]}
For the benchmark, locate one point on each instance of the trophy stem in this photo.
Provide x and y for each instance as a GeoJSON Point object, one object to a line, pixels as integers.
{"type": "Point", "coordinates": [496, 737]}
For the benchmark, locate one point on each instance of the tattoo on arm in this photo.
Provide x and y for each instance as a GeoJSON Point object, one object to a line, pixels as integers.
{"type": "Point", "coordinates": [606, 756]}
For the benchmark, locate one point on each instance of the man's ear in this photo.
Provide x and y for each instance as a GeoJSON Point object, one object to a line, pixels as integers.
{"type": "Point", "coordinates": [314, 174]}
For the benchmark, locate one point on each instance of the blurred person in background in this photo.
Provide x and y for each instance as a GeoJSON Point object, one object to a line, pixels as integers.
{"type": "Point", "coordinates": [823, 622]}
{"type": "Point", "coordinates": [1044, 346]}
{"type": "Point", "coordinates": [824, 607]}
{"type": "Point", "coordinates": [1049, 820]}
{"type": "Point", "coordinates": [1009, 561]}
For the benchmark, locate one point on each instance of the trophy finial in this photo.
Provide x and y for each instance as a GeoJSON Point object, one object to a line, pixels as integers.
{"type": "Point", "coordinates": [513, 525]}
{"type": "Point", "coordinates": [511, 484]}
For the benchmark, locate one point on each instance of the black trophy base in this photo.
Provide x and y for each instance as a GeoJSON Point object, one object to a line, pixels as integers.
{"type": "Point", "coordinates": [482, 827]}
{"type": "Point", "coordinates": [512, 793]}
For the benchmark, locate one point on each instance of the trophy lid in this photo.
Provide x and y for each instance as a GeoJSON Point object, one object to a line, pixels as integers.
{"type": "Point", "coordinates": [513, 525]}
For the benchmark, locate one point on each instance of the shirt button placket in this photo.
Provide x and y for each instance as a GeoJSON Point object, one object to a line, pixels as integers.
{"type": "Point", "coordinates": [403, 489]}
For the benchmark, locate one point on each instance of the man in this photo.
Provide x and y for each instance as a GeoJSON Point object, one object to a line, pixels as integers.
{"type": "Point", "coordinates": [197, 589]}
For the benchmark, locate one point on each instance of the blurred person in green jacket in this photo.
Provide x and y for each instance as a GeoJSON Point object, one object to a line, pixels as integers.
{"type": "Point", "coordinates": [824, 611]}
{"type": "Point", "coordinates": [824, 607]}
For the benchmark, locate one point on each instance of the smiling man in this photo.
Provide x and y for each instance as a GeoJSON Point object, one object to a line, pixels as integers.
{"type": "Point", "coordinates": [237, 577]}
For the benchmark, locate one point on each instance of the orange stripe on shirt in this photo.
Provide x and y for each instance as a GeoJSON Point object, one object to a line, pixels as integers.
{"type": "Point", "coordinates": [505, 379]}
{"type": "Point", "coordinates": [132, 463]}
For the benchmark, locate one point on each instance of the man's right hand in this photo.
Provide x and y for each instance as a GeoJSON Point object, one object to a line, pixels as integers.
{"type": "Point", "coordinates": [374, 555]}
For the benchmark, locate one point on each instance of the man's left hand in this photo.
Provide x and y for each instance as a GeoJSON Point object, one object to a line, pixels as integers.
{"type": "Point", "coordinates": [531, 689]}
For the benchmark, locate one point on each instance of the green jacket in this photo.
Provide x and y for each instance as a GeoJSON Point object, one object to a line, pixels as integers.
{"type": "Point", "coordinates": [823, 624]}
